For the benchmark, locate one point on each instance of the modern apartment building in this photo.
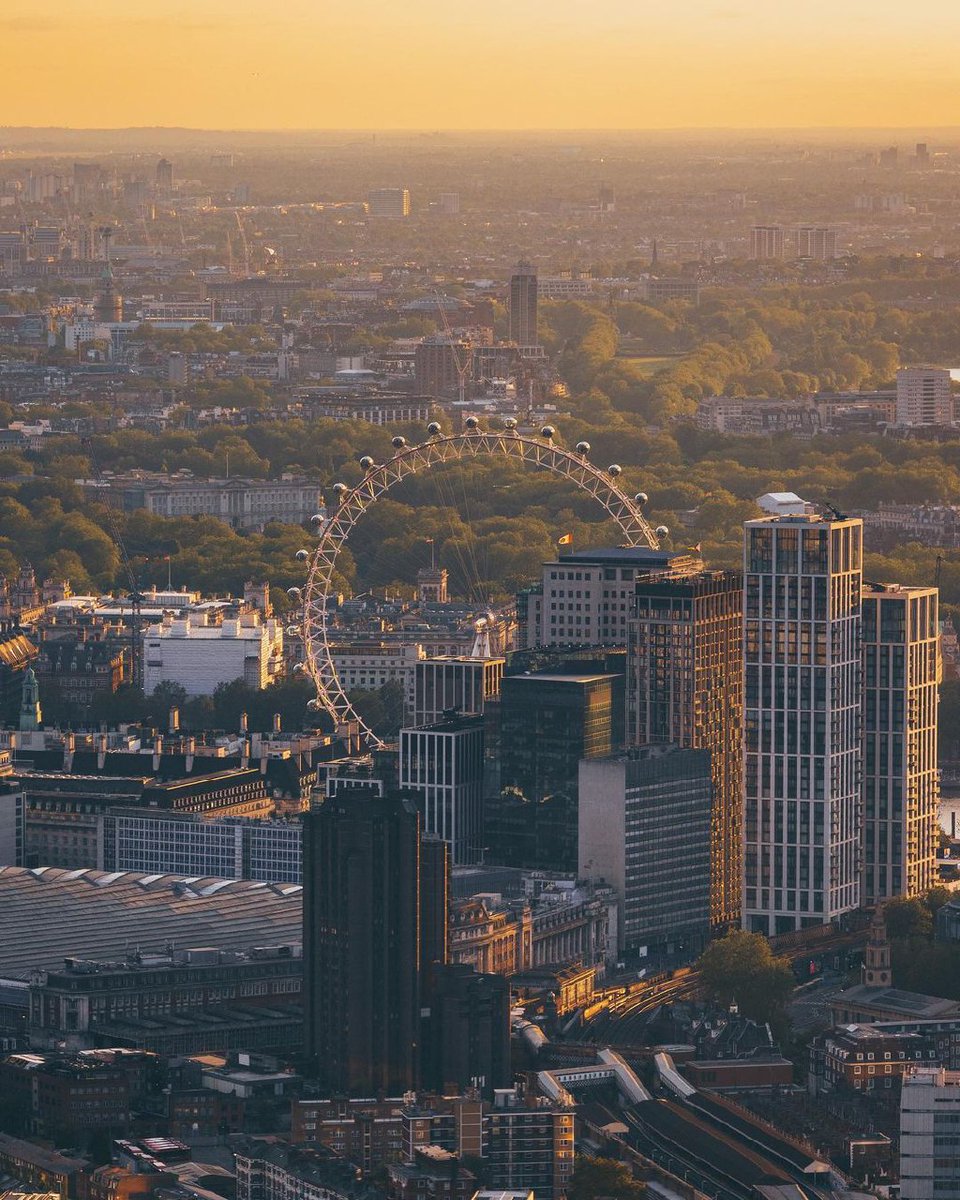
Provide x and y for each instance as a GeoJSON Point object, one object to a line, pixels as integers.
{"type": "Point", "coordinates": [548, 723]}
{"type": "Point", "coordinates": [523, 306]}
{"type": "Point", "coordinates": [817, 242]}
{"type": "Point", "coordinates": [388, 202]}
{"type": "Point", "coordinates": [685, 687]}
{"type": "Point", "coordinates": [924, 396]}
{"type": "Point", "coordinates": [803, 750]}
{"type": "Point", "coordinates": [766, 242]}
{"type": "Point", "coordinates": [901, 788]}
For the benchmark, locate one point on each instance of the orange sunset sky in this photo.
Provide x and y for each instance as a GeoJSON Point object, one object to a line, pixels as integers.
{"type": "Point", "coordinates": [511, 64]}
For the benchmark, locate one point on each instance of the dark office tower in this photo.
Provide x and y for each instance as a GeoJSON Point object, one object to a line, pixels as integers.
{"type": "Point", "coordinates": [467, 1043]}
{"type": "Point", "coordinates": [548, 723]}
{"type": "Point", "coordinates": [164, 176]}
{"type": "Point", "coordinates": [434, 907]}
{"type": "Point", "coordinates": [523, 306]}
{"type": "Point", "coordinates": [685, 687]}
{"type": "Point", "coordinates": [361, 934]}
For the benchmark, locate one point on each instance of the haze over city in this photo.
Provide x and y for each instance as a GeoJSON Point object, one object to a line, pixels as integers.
{"type": "Point", "coordinates": [479, 600]}
{"type": "Point", "coordinates": [557, 64]}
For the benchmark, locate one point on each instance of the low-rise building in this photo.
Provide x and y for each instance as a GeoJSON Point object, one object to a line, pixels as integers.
{"type": "Point", "coordinates": [192, 843]}
{"type": "Point", "coordinates": [199, 654]}
{"type": "Point", "coordinates": [866, 1058]}
{"type": "Point", "coordinates": [176, 1003]}
{"type": "Point", "coordinates": [243, 503]}
{"type": "Point", "coordinates": [368, 666]}
{"type": "Point", "coordinates": [268, 1169]}
{"type": "Point", "coordinates": [43, 1170]}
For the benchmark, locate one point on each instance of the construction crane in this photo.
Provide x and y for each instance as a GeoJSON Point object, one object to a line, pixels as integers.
{"type": "Point", "coordinates": [135, 596]}
{"type": "Point", "coordinates": [243, 243]}
{"type": "Point", "coordinates": [462, 355]}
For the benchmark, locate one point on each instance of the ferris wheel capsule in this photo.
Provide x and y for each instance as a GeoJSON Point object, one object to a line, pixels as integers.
{"type": "Point", "coordinates": [317, 519]}
{"type": "Point", "coordinates": [292, 631]}
{"type": "Point", "coordinates": [398, 442]}
{"type": "Point", "coordinates": [471, 422]}
{"type": "Point", "coordinates": [662, 531]}
{"type": "Point", "coordinates": [298, 668]}
{"type": "Point", "coordinates": [303, 555]}
{"type": "Point", "coordinates": [294, 593]}
{"type": "Point", "coordinates": [547, 432]}
{"type": "Point", "coordinates": [641, 498]}
{"type": "Point", "coordinates": [583, 448]}
{"type": "Point", "coordinates": [367, 463]}
{"type": "Point", "coordinates": [614, 469]}
{"type": "Point", "coordinates": [314, 705]}
{"type": "Point", "coordinates": [341, 488]}
{"type": "Point", "coordinates": [510, 423]}
{"type": "Point", "coordinates": [434, 428]}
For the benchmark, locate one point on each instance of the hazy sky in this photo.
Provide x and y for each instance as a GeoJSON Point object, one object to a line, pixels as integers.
{"type": "Point", "coordinates": [499, 63]}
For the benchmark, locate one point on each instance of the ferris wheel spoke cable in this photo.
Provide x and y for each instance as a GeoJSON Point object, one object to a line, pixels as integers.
{"type": "Point", "coordinates": [538, 452]}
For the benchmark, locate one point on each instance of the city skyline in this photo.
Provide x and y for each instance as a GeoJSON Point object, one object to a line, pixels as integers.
{"type": "Point", "coordinates": [744, 65]}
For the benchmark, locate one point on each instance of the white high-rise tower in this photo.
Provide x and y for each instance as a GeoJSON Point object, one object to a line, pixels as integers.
{"type": "Point", "coordinates": [802, 634]}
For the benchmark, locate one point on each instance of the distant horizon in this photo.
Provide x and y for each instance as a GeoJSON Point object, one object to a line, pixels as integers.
{"type": "Point", "coordinates": [536, 65]}
{"type": "Point", "coordinates": [434, 130]}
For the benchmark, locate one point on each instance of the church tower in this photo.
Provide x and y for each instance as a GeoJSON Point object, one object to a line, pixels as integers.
{"type": "Point", "coordinates": [30, 715]}
{"type": "Point", "coordinates": [877, 970]}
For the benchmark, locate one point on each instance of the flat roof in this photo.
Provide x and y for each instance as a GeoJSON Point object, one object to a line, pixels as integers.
{"type": "Point", "coordinates": [627, 554]}
{"type": "Point", "coordinates": [547, 677]}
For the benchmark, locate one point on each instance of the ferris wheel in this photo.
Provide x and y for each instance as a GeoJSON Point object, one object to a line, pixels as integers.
{"type": "Point", "coordinates": [439, 448]}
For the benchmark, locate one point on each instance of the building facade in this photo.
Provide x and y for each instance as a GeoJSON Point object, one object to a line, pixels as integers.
{"type": "Point", "coordinates": [585, 597]}
{"type": "Point", "coordinates": [645, 829]}
{"type": "Point", "coordinates": [200, 654]}
{"type": "Point", "coordinates": [454, 682]}
{"type": "Point", "coordinates": [242, 503]}
{"type": "Point", "coordinates": [185, 1001]}
{"type": "Point", "coordinates": [523, 307]}
{"type": "Point", "coordinates": [901, 782]}
{"type": "Point", "coordinates": [190, 844]}
{"type": "Point", "coordinates": [924, 396]}
{"type": "Point", "coordinates": [766, 242]}
{"type": "Point", "coordinates": [685, 687]}
{"type": "Point", "coordinates": [929, 1149]}
{"type": "Point", "coordinates": [388, 202]}
{"type": "Point", "coordinates": [361, 939]}
{"type": "Point", "coordinates": [802, 628]}
{"type": "Point", "coordinates": [442, 765]}
{"type": "Point", "coordinates": [818, 242]}
{"type": "Point", "coordinates": [548, 723]}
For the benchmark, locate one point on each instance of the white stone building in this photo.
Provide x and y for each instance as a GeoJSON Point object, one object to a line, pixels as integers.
{"type": "Point", "coordinates": [200, 653]}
